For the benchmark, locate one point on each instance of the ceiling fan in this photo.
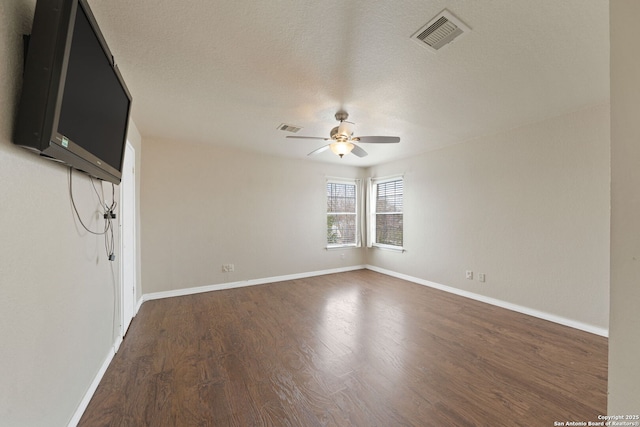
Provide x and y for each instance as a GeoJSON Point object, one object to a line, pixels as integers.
{"type": "Point", "coordinates": [342, 139]}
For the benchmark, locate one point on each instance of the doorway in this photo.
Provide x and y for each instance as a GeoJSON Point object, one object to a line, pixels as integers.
{"type": "Point", "coordinates": [128, 238]}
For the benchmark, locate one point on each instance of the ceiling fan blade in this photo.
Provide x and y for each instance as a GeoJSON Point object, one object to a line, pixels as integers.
{"type": "Point", "coordinates": [307, 137]}
{"type": "Point", "coordinates": [319, 150]}
{"type": "Point", "coordinates": [379, 139]}
{"type": "Point", "coordinates": [358, 151]}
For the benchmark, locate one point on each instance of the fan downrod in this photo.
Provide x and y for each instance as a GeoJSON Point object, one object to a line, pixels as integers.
{"type": "Point", "coordinates": [342, 116]}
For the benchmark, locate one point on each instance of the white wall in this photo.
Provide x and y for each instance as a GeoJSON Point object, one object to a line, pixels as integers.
{"type": "Point", "coordinates": [624, 335]}
{"type": "Point", "coordinates": [57, 289]}
{"type": "Point", "coordinates": [204, 206]}
{"type": "Point", "coordinates": [528, 207]}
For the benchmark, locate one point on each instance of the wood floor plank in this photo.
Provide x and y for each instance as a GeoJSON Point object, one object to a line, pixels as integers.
{"type": "Point", "coordinates": [349, 349]}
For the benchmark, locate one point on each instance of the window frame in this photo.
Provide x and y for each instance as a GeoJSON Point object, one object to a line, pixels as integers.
{"type": "Point", "coordinates": [357, 214]}
{"type": "Point", "coordinates": [373, 195]}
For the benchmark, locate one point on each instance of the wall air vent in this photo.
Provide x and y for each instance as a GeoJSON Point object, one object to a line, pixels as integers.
{"type": "Point", "coordinates": [440, 31]}
{"type": "Point", "coordinates": [288, 128]}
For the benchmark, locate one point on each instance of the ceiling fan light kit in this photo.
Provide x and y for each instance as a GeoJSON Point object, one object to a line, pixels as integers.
{"type": "Point", "coordinates": [342, 138]}
{"type": "Point", "coordinates": [341, 147]}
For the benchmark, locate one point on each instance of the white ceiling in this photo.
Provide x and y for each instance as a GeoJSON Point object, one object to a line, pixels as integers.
{"type": "Point", "coordinates": [229, 72]}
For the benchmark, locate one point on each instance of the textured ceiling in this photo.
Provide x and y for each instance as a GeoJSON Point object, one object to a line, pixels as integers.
{"type": "Point", "coordinates": [229, 72]}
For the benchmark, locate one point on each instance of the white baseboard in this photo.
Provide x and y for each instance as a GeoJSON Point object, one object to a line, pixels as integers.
{"type": "Point", "coordinates": [493, 301]}
{"type": "Point", "coordinates": [94, 385]}
{"type": "Point", "coordinates": [116, 345]}
{"type": "Point", "coordinates": [243, 283]}
{"type": "Point", "coordinates": [252, 282]}
{"type": "Point", "coordinates": [138, 305]}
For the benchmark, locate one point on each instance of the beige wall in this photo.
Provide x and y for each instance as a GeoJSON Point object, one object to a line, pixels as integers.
{"type": "Point", "coordinates": [58, 318]}
{"type": "Point", "coordinates": [203, 207]}
{"type": "Point", "coordinates": [528, 207]}
{"type": "Point", "coordinates": [624, 332]}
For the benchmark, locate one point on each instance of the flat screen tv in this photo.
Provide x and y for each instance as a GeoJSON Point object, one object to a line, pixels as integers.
{"type": "Point", "coordinates": [75, 105]}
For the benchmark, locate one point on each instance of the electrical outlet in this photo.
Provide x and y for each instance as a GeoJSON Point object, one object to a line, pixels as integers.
{"type": "Point", "coordinates": [481, 277]}
{"type": "Point", "coordinates": [469, 274]}
{"type": "Point", "coordinates": [228, 268]}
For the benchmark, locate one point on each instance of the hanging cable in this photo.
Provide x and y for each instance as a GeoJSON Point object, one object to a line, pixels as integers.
{"type": "Point", "coordinates": [108, 215]}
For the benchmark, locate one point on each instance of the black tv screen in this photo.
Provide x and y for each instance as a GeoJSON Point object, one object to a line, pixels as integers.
{"type": "Point", "coordinates": [75, 105]}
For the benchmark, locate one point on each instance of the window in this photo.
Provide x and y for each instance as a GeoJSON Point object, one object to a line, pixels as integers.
{"type": "Point", "coordinates": [386, 205]}
{"type": "Point", "coordinates": [342, 213]}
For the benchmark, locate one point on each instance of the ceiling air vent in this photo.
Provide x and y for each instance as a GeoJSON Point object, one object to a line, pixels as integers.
{"type": "Point", "coordinates": [288, 128]}
{"type": "Point", "coordinates": [440, 31]}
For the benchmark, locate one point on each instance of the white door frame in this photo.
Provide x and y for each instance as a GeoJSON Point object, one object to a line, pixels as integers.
{"type": "Point", "coordinates": [128, 255]}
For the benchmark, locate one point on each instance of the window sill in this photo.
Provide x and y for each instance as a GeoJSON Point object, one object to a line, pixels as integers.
{"type": "Point", "coordinates": [332, 247]}
{"type": "Point", "coordinates": [389, 248]}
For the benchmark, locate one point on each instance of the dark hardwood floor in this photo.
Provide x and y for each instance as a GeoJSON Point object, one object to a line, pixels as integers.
{"type": "Point", "coordinates": [350, 349]}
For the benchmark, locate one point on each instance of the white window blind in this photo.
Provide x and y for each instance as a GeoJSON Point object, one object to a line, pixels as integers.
{"type": "Point", "coordinates": [342, 213]}
{"type": "Point", "coordinates": [388, 214]}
